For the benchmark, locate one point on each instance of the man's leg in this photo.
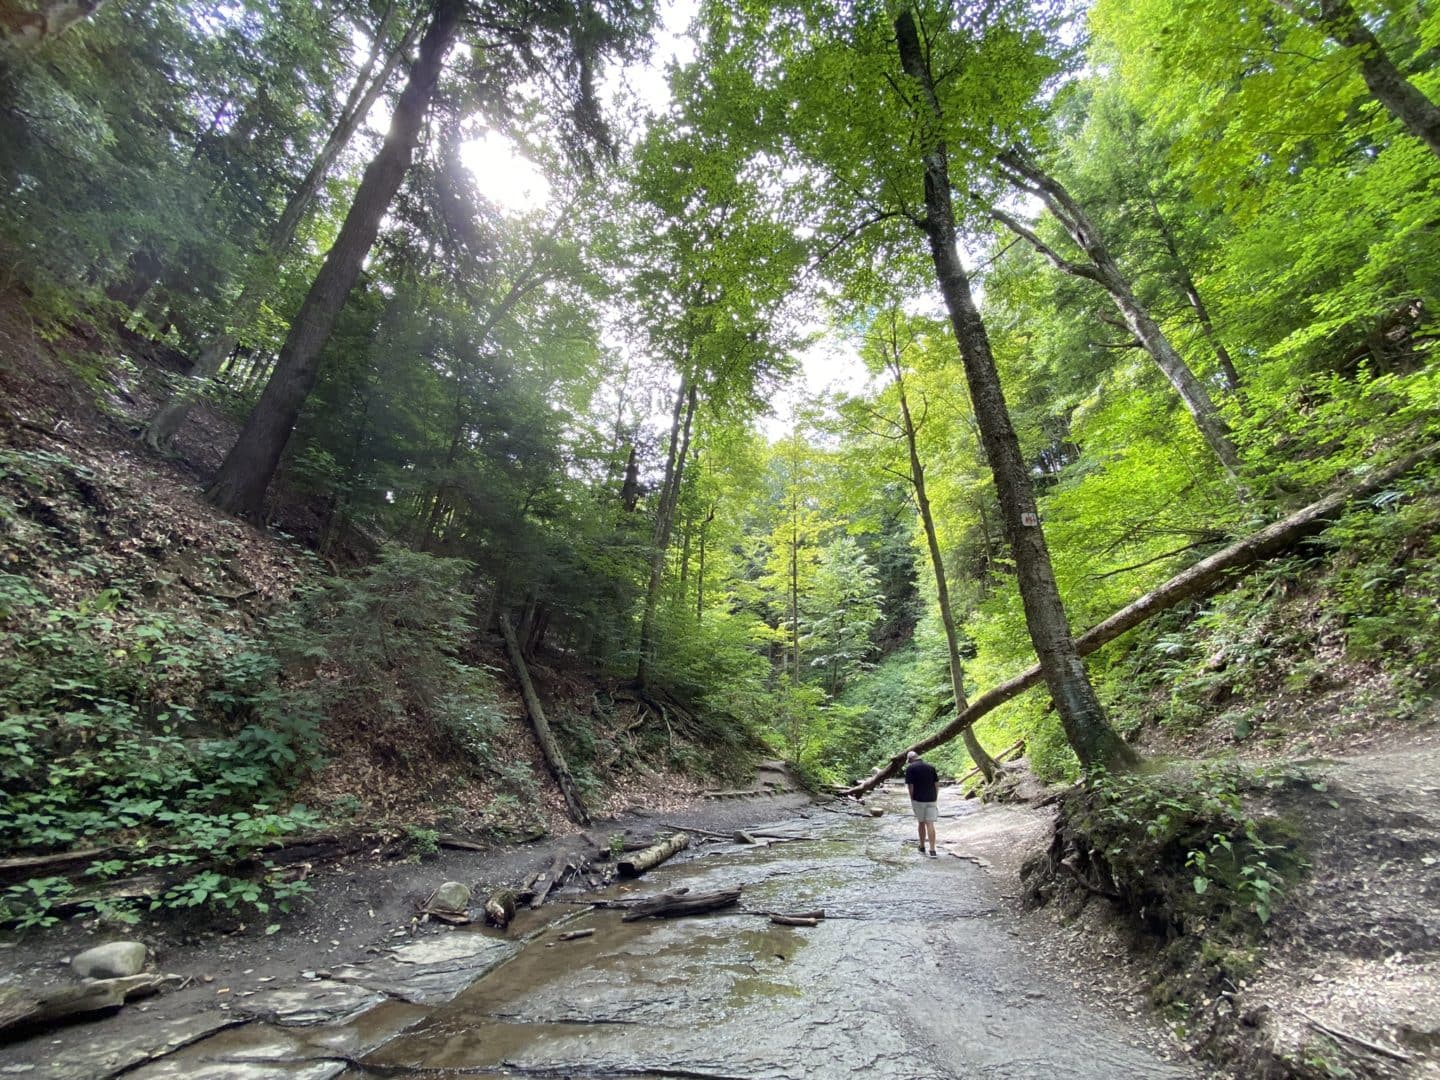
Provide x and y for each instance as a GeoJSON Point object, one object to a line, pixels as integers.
{"type": "Point", "coordinates": [921, 826]}
{"type": "Point", "coordinates": [930, 828]}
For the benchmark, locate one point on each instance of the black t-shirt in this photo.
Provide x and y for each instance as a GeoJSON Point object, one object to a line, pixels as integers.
{"type": "Point", "coordinates": [923, 778]}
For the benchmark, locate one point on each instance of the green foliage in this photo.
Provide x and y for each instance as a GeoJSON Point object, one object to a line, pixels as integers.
{"type": "Point", "coordinates": [1187, 846]}
{"type": "Point", "coordinates": [388, 643]}
{"type": "Point", "coordinates": [424, 843]}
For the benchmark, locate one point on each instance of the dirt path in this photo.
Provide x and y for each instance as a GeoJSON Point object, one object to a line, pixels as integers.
{"type": "Point", "coordinates": [916, 973]}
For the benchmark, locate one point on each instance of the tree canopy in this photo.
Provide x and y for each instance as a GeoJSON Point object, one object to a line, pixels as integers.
{"type": "Point", "coordinates": [1154, 273]}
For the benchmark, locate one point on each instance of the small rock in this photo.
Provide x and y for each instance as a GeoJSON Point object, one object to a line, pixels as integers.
{"type": "Point", "coordinates": [113, 961]}
{"type": "Point", "coordinates": [452, 896]}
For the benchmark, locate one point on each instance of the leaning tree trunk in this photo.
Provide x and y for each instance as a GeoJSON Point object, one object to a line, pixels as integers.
{"type": "Point", "coordinates": [250, 466]}
{"type": "Point", "coordinates": [554, 758]}
{"type": "Point", "coordinates": [1094, 741]}
{"type": "Point", "coordinates": [1401, 98]}
{"type": "Point", "coordinates": [1105, 272]}
{"type": "Point", "coordinates": [1192, 293]}
{"type": "Point", "coordinates": [685, 400]}
{"type": "Point", "coordinates": [259, 281]}
{"type": "Point", "coordinates": [1206, 576]}
{"type": "Point", "coordinates": [982, 760]}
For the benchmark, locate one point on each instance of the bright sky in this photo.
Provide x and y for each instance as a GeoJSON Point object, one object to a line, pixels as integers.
{"type": "Point", "coordinates": [504, 175]}
{"type": "Point", "coordinates": [517, 185]}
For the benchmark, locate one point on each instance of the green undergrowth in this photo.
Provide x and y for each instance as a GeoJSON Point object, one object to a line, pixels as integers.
{"type": "Point", "coordinates": [172, 740]}
{"type": "Point", "coordinates": [1201, 856]}
{"type": "Point", "coordinates": [1338, 638]}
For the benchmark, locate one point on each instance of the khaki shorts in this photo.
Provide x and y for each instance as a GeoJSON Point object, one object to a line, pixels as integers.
{"type": "Point", "coordinates": [925, 811]}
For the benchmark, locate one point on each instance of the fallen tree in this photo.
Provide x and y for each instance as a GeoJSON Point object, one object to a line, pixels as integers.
{"type": "Point", "coordinates": [652, 857]}
{"type": "Point", "coordinates": [543, 735]}
{"type": "Point", "coordinates": [1204, 577]}
{"type": "Point", "coordinates": [682, 902]}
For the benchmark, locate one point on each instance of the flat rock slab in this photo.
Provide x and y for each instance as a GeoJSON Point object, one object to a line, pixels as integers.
{"type": "Point", "coordinates": [457, 945]}
{"type": "Point", "coordinates": [432, 971]}
{"type": "Point", "coordinates": [142, 1040]}
{"type": "Point", "coordinates": [262, 1052]}
{"type": "Point", "coordinates": [312, 1003]}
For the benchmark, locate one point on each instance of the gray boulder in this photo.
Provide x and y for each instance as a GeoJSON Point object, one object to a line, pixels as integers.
{"type": "Point", "coordinates": [117, 960]}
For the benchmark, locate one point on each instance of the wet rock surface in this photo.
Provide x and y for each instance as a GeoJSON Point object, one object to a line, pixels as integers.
{"type": "Point", "coordinates": [915, 973]}
{"type": "Point", "coordinates": [911, 975]}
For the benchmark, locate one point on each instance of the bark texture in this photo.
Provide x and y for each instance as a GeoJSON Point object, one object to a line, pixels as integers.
{"type": "Point", "coordinates": [653, 856]}
{"type": "Point", "coordinates": [1092, 738]}
{"type": "Point", "coordinates": [1206, 576]}
{"type": "Point", "coordinates": [1386, 82]}
{"type": "Point", "coordinates": [250, 466]}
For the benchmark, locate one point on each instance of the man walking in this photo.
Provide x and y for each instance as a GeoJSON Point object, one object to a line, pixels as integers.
{"type": "Point", "coordinates": [924, 784]}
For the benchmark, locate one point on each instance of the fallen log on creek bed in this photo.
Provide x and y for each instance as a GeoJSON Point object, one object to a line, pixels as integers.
{"type": "Point", "coordinates": [653, 856]}
{"type": "Point", "coordinates": [672, 905]}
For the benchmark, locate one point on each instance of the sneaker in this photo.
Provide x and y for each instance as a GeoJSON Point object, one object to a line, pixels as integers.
{"type": "Point", "coordinates": [932, 854]}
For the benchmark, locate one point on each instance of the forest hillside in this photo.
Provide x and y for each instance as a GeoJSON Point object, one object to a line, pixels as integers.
{"type": "Point", "coordinates": [463, 420]}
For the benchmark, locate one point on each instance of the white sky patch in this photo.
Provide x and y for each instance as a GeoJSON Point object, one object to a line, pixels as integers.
{"type": "Point", "coordinates": [504, 175]}
{"type": "Point", "coordinates": [648, 83]}
{"type": "Point", "coordinates": [828, 365]}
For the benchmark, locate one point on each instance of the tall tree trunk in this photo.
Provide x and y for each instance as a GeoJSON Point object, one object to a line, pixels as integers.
{"type": "Point", "coordinates": [682, 418]}
{"type": "Point", "coordinates": [1211, 574]}
{"type": "Point", "coordinates": [1094, 741]}
{"type": "Point", "coordinates": [982, 760]}
{"type": "Point", "coordinates": [1387, 83]}
{"type": "Point", "coordinates": [260, 278]}
{"type": "Point", "coordinates": [700, 570]}
{"type": "Point", "coordinates": [1192, 293]}
{"type": "Point", "coordinates": [250, 466]}
{"type": "Point", "coordinates": [24, 31]}
{"type": "Point", "coordinates": [795, 588]}
{"type": "Point", "coordinates": [1105, 272]}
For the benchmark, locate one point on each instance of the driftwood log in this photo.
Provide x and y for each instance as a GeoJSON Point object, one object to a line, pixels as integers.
{"type": "Point", "coordinates": [674, 904]}
{"type": "Point", "coordinates": [576, 935]}
{"type": "Point", "coordinates": [752, 834]}
{"type": "Point", "coordinates": [563, 864]}
{"type": "Point", "coordinates": [541, 726]}
{"type": "Point", "coordinates": [793, 920]}
{"type": "Point", "coordinates": [653, 856]}
{"type": "Point", "coordinates": [1207, 575]}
